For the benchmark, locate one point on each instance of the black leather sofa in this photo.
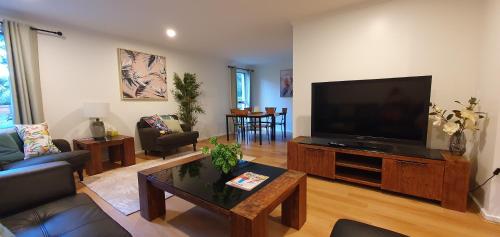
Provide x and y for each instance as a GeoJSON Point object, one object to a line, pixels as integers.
{"type": "Point", "coordinates": [76, 159]}
{"type": "Point", "coordinates": [41, 200]}
{"type": "Point", "coordinates": [153, 141]}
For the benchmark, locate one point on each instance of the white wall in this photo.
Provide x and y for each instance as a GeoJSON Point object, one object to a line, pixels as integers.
{"type": "Point", "coordinates": [266, 88]}
{"type": "Point", "coordinates": [489, 83]}
{"type": "Point", "coordinates": [83, 67]}
{"type": "Point", "coordinates": [383, 39]}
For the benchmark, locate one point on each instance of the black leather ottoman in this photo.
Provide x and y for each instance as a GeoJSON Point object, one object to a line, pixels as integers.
{"type": "Point", "coordinates": [350, 228]}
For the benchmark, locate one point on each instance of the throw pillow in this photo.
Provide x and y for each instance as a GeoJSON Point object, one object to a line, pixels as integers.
{"type": "Point", "coordinates": [37, 140]}
{"type": "Point", "coordinates": [9, 150]}
{"type": "Point", "coordinates": [4, 232]}
{"type": "Point", "coordinates": [156, 122]}
{"type": "Point", "coordinates": [174, 125]}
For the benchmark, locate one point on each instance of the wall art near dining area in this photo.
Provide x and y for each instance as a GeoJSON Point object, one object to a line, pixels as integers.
{"type": "Point", "coordinates": [286, 83]}
{"type": "Point", "coordinates": [142, 76]}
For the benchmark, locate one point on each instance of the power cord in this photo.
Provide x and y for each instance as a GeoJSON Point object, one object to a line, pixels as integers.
{"type": "Point", "coordinates": [495, 173]}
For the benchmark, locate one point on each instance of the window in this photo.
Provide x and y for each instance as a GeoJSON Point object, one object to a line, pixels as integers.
{"type": "Point", "coordinates": [6, 115]}
{"type": "Point", "coordinates": [242, 89]}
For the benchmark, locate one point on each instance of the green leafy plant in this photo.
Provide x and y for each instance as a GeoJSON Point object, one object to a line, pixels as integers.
{"type": "Point", "coordinates": [224, 157]}
{"type": "Point", "coordinates": [186, 93]}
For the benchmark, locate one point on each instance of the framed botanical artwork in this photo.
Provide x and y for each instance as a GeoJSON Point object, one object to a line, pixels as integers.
{"type": "Point", "coordinates": [143, 76]}
{"type": "Point", "coordinates": [286, 83]}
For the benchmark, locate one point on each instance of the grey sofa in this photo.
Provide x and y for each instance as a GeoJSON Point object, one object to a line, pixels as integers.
{"type": "Point", "coordinates": [41, 200]}
{"type": "Point", "coordinates": [153, 141]}
{"type": "Point", "coordinates": [76, 159]}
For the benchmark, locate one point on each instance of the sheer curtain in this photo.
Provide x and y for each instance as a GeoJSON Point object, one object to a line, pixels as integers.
{"type": "Point", "coordinates": [22, 53]}
{"type": "Point", "coordinates": [233, 102]}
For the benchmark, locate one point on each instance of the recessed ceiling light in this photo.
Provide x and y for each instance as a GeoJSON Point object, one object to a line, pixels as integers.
{"type": "Point", "coordinates": [171, 33]}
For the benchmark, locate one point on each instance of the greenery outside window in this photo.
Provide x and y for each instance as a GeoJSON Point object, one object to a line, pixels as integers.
{"type": "Point", "coordinates": [6, 111]}
{"type": "Point", "coordinates": [242, 89]}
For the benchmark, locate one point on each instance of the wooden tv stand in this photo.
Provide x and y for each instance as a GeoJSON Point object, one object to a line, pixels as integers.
{"type": "Point", "coordinates": [445, 180]}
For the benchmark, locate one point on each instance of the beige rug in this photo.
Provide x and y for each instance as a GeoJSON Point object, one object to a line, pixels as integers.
{"type": "Point", "coordinates": [119, 187]}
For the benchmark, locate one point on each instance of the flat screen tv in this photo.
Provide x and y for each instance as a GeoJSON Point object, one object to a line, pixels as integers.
{"type": "Point", "coordinates": [392, 110]}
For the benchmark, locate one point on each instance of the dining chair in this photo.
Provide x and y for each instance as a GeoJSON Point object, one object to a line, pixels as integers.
{"type": "Point", "coordinates": [282, 121]}
{"type": "Point", "coordinates": [239, 123]}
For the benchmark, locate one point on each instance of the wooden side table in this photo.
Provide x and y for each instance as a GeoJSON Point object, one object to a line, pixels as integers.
{"type": "Point", "coordinates": [119, 148]}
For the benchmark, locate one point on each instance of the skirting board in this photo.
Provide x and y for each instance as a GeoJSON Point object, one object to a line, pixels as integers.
{"type": "Point", "coordinates": [484, 214]}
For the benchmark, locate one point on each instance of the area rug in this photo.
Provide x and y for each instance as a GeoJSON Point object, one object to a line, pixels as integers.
{"type": "Point", "coordinates": [119, 187]}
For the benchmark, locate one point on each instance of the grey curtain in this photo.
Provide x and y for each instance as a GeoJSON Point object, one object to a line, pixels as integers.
{"type": "Point", "coordinates": [233, 101]}
{"type": "Point", "coordinates": [22, 53]}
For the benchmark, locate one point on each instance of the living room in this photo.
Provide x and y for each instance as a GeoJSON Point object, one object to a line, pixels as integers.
{"type": "Point", "coordinates": [256, 68]}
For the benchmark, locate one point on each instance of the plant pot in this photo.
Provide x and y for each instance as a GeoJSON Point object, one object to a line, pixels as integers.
{"type": "Point", "coordinates": [458, 143]}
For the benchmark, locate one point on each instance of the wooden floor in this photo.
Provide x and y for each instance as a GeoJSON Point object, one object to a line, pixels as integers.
{"type": "Point", "coordinates": [327, 201]}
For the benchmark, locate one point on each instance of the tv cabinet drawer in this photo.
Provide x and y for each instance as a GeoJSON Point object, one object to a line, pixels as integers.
{"type": "Point", "coordinates": [319, 162]}
{"type": "Point", "coordinates": [413, 178]}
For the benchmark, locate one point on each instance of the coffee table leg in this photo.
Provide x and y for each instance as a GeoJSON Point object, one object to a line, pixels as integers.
{"type": "Point", "coordinates": [248, 227]}
{"type": "Point", "coordinates": [151, 199]}
{"type": "Point", "coordinates": [293, 209]}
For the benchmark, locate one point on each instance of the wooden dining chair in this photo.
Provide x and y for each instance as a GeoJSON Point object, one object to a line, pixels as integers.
{"type": "Point", "coordinates": [282, 121]}
{"type": "Point", "coordinates": [239, 123]}
{"type": "Point", "coordinates": [271, 110]}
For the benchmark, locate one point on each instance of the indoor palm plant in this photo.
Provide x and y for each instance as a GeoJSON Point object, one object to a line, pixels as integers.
{"type": "Point", "coordinates": [456, 122]}
{"type": "Point", "coordinates": [224, 157]}
{"type": "Point", "coordinates": [186, 93]}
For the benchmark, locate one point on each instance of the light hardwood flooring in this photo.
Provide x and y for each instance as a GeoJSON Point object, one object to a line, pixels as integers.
{"type": "Point", "coordinates": [327, 201]}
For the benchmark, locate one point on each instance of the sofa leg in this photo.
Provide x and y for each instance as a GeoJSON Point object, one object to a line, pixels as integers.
{"type": "Point", "coordinates": [194, 147]}
{"type": "Point", "coordinates": [80, 173]}
{"type": "Point", "coordinates": [145, 152]}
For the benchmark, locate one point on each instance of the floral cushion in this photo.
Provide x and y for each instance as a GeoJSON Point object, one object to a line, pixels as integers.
{"type": "Point", "coordinates": [37, 140]}
{"type": "Point", "coordinates": [156, 122]}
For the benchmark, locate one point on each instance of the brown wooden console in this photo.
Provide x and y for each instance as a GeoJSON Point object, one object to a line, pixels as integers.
{"type": "Point", "coordinates": [445, 180]}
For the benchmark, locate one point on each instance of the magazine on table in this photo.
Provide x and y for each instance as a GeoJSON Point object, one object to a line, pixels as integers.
{"type": "Point", "coordinates": [247, 181]}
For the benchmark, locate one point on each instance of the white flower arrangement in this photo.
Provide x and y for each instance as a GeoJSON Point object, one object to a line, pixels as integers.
{"type": "Point", "coordinates": [458, 120]}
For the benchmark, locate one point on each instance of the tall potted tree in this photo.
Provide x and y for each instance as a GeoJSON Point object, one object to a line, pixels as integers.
{"type": "Point", "coordinates": [186, 93]}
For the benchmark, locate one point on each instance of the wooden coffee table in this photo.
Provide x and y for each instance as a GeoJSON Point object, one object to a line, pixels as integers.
{"type": "Point", "coordinates": [195, 180]}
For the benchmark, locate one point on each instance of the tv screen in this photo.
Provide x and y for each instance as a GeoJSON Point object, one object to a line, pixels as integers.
{"type": "Point", "coordinates": [393, 109]}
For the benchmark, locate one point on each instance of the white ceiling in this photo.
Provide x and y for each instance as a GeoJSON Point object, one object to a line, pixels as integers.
{"type": "Point", "coordinates": [245, 31]}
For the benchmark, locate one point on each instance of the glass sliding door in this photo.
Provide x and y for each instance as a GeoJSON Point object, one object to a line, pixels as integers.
{"type": "Point", "coordinates": [242, 89]}
{"type": "Point", "coordinates": [6, 110]}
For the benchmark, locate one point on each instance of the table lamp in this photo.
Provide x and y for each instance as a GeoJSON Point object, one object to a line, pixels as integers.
{"type": "Point", "coordinates": [96, 111]}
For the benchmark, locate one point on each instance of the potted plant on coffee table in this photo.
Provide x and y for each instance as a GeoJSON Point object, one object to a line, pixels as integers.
{"type": "Point", "coordinates": [224, 156]}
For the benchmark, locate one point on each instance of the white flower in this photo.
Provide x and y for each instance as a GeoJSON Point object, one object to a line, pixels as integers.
{"type": "Point", "coordinates": [470, 125]}
{"type": "Point", "coordinates": [450, 128]}
{"type": "Point", "coordinates": [437, 120]}
{"type": "Point", "coordinates": [468, 114]}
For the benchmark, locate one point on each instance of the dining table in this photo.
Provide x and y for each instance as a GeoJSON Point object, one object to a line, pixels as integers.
{"type": "Point", "coordinates": [257, 117]}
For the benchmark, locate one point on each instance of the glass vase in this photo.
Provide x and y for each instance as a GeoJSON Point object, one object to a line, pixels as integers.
{"type": "Point", "coordinates": [458, 143]}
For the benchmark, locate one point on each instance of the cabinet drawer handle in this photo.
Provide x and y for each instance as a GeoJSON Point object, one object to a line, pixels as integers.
{"type": "Point", "coordinates": [412, 163]}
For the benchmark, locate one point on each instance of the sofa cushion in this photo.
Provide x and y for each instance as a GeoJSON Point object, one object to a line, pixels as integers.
{"type": "Point", "coordinates": [156, 122]}
{"type": "Point", "coordinates": [75, 215]}
{"type": "Point", "coordinates": [178, 139]}
{"type": "Point", "coordinates": [74, 158]}
{"type": "Point", "coordinates": [9, 149]}
{"type": "Point", "coordinates": [36, 139]}
{"type": "Point", "coordinates": [174, 125]}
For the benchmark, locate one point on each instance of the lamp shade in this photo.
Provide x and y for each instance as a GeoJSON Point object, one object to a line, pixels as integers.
{"type": "Point", "coordinates": [96, 110]}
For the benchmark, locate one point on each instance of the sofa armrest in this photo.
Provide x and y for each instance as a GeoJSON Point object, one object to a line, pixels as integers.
{"type": "Point", "coordinates": [185, 127]}
{"type": "Point", "coordinates": [28, 187]}
{"type": "Point", "coordinates": [62, 144]}
{"type": "Point", "coordinates": [148, 137]}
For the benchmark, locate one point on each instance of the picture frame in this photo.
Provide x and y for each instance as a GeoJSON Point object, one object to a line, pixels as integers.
{"type": "Point", "coordinates": [286, 83]}
{"type": "Point", "coordinates": [142, 76]}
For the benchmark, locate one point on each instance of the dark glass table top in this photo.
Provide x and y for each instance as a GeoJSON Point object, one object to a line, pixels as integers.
{"type": "Point", "coordinates": [199, 178]}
